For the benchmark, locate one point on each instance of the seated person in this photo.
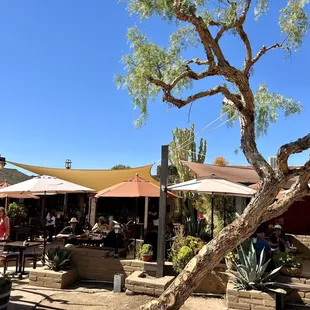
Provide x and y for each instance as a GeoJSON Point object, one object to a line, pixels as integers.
{"type": "Point", "coordinates": [278, 239]}
{"type": "Point", "coordinates": [101, 226]}
{"type": "Point", "coordinates": [72, 233]}
{"type": "Point", "coordinates": [260, 244]}
{"type": "Point", "coordinates": [151, 237]}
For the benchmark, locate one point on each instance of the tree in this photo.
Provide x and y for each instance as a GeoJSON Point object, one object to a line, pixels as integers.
{"type": "Point", "coordinates": [154, 70]}
{"type": "Point", "coordinates": [120, 167]}
{"type": "Point", "coordinates": [220, 161]}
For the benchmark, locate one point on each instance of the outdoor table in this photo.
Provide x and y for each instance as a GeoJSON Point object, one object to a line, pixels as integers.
{"type": "Point", "coordinates": [20, 245]}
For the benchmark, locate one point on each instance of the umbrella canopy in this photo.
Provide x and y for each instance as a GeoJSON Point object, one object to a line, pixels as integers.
{"type": "Point", "coordinates": [135, 187]}
{"type": "Point", "coordinates": [46, 185]}
{"type": "Point", "coordinates": [214, 186]}
{"type": "Point", "coordinates": [15, 195]}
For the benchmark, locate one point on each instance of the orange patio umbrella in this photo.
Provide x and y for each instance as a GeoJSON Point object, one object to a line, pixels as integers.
{"type": "Point", "coordinates": [134, 188]}
{"type": "Point", "coordinates": [14, 195]}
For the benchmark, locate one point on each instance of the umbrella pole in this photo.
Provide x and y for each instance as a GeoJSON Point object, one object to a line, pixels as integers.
{"type": "Point", "coordinates": [212, 215]}
{"type": "Point", "coordinates": [136, 207]}
{"type": "Point", "coordinates": [6, 204]}
{"type": "Point", "coordinates": [146, 214]}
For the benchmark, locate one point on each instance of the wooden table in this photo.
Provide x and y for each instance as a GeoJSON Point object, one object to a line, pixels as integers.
{"type": "Point", "coordinates": [20, 245]}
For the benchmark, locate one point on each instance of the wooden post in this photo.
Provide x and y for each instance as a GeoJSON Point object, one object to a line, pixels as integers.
{"type": "Point", "coordinates": [146, 214]}
{"type": "Point", "coordinates": [161, 243]}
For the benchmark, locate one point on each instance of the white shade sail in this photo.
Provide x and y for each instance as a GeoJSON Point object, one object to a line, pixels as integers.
{"type": "Point", "coordinates": [45, 184]}
{"type": "Point", "coordinates": [214, 186]}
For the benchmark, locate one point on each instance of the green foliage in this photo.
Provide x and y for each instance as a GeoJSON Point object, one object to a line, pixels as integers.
{"type": "Point", "coordinates": [58, 259]}
{"type": "Point", "coordinates": [250, 272]}
{"type": "Point", "coordinates": [148, 62]}
{"type": "Point", "coordinates": [267, 107]}
{"type": "Point", "coordinates": [233, 257]}
{"type": "Point", "coordinates": [120, 167]}
{"type": "Point", "coordinates": [196, 228]}
{"type": "Point", "coordinates": [183, 250]}
{"type": "Point", "coordinates": [222, 204]}
{"type": "Point", "coordinates": [17, 210]}
{"type": "Point", "coordinates": [286, 260]}
{"type": "Point", "coordinates": [145, 249]}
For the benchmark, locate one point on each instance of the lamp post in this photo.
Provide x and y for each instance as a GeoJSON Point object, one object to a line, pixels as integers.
{"type": "Point", "coordinates": [68, 163]}
{"type": "Point", "coordinates": [117, 229]}
{"type": "Point", "coordinates": [2, 162]}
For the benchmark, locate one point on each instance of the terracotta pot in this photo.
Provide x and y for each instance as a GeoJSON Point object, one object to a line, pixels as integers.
{"type": "Point", "coordinates": [230, 265]}
{"type": "Point", "coordinates": [146, 257]}
{"type": "Point", "coordinates": [291, 271]}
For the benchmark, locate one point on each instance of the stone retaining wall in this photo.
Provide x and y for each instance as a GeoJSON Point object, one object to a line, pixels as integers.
{"type": "Point", "coordinates": [249, 300]}
{"type": "Point", "coordinates": [52, 279]}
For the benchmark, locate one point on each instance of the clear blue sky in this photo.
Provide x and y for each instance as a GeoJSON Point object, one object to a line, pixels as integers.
{"type": "Point", "coordinates": [58, 98]}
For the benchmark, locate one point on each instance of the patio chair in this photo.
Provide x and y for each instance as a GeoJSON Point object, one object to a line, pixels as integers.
{"type": "Point", "coordinates": [6, 257]}
{"type": "Point", "coordinates": [34, 257]}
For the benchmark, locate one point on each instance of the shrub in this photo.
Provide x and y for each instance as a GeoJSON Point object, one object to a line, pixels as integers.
{"type": "Point", "coordinates": [17, 210]}
{"type": "Point", "coordinates": [184, 248]}
{"type": "Point", "coordinates": [196, 228]}
{"type": "Point", "coordinates": [58, 259]}
{"type": "Point", "coordinates": [286, 260]}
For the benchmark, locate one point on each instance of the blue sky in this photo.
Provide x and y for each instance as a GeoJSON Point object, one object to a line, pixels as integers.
{"type": "Point", "coordinates": [59, 100]}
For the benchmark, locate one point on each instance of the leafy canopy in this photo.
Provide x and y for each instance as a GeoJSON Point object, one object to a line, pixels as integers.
{"type": "Point", "coordinates": [152, 70]}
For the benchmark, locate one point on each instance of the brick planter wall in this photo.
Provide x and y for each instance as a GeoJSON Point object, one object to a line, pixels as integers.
{"type": "Point", "coordinates": [249, 300]}
{"type": "Point", "coordinates": [136, 283]}
{"type": "Point", "coordinates": [48, 278]}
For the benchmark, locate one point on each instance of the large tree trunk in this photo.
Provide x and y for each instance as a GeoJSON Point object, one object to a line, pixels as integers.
{"type": "Point", "coordinates": [260, 209]}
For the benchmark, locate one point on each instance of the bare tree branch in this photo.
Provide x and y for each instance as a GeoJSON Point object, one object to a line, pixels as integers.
{"type": "Point", "coordinates": [261, 52]}
{"type": "Point", "coordinates": [289, 149]}
{"type": "Point", "coordinates": [197, 61]}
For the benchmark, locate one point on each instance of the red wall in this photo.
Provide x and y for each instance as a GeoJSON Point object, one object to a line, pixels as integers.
{"type": "Point", "coordinates": [296, 219]}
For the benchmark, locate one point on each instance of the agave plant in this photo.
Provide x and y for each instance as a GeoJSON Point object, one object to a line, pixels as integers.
{"type": "Point", "coordinates": [196, 228]}
{"type": "Point", "coordinates": [251, 272]}
{"type": "Point", "coordinates": [58, 259]}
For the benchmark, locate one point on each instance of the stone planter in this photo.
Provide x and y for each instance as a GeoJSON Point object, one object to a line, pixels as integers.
{"type": "Point", "coordinates": [48, 278]}
{"type": "Point", "coordinates": [146, 257]}
{"type": "Point", "coordinates": [251, 300]}
{"type": "Point", "coordinates": [291, 271]}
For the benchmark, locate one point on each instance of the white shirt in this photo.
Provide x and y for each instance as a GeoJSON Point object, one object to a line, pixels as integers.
{"type": "Point", "coordinates": [50, 220]}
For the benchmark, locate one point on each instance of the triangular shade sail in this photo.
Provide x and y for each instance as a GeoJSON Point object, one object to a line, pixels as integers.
{"type": "Point", "coordinates": [44, 185]}
{"type": "Point", "coordinates": [214, 186]}
{"type": "Point", "coordinates": [135, 187]}
{"type": "Point", "coordinates": [96, 179]}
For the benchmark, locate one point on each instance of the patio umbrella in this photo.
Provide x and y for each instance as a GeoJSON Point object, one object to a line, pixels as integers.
{"type": "Point", "coordinates": [14, 195]}
{"type": "Point", "coordinates": [134, 188]}
{"type": "Point", "coordinates": [45, 185]}
{"type": "Point", "coordinates": [214, 186]}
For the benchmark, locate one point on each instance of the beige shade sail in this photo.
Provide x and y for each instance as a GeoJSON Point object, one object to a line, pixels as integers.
{"type": "Point", "coordinates": [96, 179]}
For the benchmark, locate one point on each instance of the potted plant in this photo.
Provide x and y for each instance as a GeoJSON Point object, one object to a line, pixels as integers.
{"type": "Point", "coordinates": [58, 271]}
{"type": "Point", "coordinates": [146, 253]}
{"type": "Point", "coordinates": [231, 260]}
{"type": "Point", "coordinates": [290, 265]}
{"type": "Point", "coordinates": [5, 291]}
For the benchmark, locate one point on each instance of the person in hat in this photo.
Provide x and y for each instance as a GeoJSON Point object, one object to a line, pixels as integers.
{"type": "Point", "coordinates": [72, 233]}
{"type": "Point", "coordinates": [278, 239]}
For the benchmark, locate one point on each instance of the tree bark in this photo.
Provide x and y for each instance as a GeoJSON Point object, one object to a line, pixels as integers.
{"type": "Point", "coordinates": [261, 208]}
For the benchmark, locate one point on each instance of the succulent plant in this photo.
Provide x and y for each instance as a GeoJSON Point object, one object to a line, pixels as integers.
{"type": "Point", "coordinates": [251, 272]}
{"type": "Point", "coordinates": [58, 259]}
{"type": "Point", "coordinates": [196, 228]}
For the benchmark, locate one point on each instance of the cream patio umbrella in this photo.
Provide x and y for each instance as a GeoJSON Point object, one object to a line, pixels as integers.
{"type": "Point", "coordinates": [45, 185]}
{"type": "Point", "coordinates": [214, 186]}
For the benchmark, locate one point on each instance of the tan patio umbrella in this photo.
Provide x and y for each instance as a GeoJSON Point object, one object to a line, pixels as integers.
{"type": "Point", "coordinates": [135, 187]}
{"type": "Point", "coordinates": [14, 195]}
